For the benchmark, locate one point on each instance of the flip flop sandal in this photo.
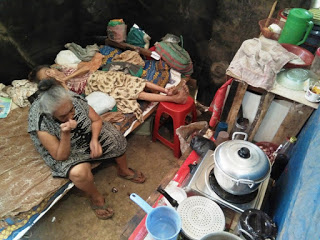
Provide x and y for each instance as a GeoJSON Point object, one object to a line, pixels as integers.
{"type": "Point", "coordinates": [104, 207]}
{"type": "Point", "coordinates": [136, 177]}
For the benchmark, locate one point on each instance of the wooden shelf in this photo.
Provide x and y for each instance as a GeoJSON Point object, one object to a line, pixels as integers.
{"type": "Point", "coordinates": [297, 116]}
{"type": "Point", "coordinates": [297, 96]}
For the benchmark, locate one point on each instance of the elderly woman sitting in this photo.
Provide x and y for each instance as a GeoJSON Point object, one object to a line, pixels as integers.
{"type": "Point", "coordinates": [70, 135]}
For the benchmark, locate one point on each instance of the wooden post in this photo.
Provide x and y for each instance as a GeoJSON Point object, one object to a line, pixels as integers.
{"type": "Point", "coordinates": [229, 101]}
{"type": "Point", "coordinates": [237, 101]}
{"type": "Point", "coordinates": [297, 116]}
{"type": "Point", "coordinates": [265, 101]}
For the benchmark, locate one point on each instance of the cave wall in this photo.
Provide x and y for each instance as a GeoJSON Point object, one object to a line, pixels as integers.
{"type": "Point", "coordinates": [33, 32]}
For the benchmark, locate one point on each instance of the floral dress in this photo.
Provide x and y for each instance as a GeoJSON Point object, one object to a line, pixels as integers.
{"type": "Point", "coordinates": [112, 141]}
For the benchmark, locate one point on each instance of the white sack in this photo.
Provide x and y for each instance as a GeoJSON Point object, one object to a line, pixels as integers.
{"type": "Point", "coordinates": [67, 58]}
{"type": "Point", "coordinates": [101, 102]}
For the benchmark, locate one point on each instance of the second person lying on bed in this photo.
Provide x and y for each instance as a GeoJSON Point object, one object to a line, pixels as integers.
{"type": "Point", "coordinates": [70, 135]}
{"type": "Point", "coordinates": [124, 88]}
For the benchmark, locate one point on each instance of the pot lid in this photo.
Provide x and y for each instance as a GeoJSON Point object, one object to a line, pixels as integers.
{"type": "Point", "coordinates": [241, 159]}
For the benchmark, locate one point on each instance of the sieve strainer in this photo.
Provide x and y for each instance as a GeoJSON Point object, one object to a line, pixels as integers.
{"type": "Point", "coordinates": [200, 216]}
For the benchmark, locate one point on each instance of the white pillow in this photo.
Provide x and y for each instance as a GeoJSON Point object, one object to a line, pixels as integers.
{"type": "Point", "coordinates": [100, 102]}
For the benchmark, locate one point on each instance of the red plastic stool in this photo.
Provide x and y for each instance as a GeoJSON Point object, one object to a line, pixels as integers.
{"type": "Point", "coordinates": [178, 113]}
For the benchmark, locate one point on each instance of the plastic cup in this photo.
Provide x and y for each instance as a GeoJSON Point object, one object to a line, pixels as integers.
{"type": "Point", "coordinates": [222, 126]}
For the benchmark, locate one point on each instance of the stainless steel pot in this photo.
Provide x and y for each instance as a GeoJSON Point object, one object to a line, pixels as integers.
{"type": "Point", "coordinates": [240, 166]}
{"type": "Point", "coordinates": [221, 236]}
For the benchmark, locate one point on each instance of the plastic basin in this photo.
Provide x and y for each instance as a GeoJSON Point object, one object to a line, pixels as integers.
{"type": "Point", "coordinates": [304, 54]}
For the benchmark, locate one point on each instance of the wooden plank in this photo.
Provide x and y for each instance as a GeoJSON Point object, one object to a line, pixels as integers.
{"type": "Point", "coordinates": [265, 102]}
{"type": "Point", "coordinates": [296, 118]}
{"type": "Point", "coordinates": [229, 100]}
{"type": "Point", "coordinates": [137, 123]}
{"type": "Point", "coordinates": [237, 101]}
{"type": "Point", "coordinates": [128, 46]}
{"type": "Point", "coordinates": [297, 96]}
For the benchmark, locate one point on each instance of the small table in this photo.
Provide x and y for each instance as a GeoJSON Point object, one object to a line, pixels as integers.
{"type": "Point", "coordinates": [297, 116]}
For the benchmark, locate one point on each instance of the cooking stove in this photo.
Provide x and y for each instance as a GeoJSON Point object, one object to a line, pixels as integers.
{"type": "Point", "coordinates": [203, 182]}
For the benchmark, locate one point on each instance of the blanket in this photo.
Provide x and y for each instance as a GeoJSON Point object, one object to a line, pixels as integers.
{"type": "Point", "coordinates": [258, 61]}
{"type": "Point", "coordinates": [25, 179]}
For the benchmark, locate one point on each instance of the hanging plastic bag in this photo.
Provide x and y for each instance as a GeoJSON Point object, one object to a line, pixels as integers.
{"type": "Point", "coordinates": [217, 103]}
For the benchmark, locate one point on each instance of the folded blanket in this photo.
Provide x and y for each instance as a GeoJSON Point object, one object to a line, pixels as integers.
{"type": "Point", "coordinates": [258, 61]}
{"type": "Point", "coordinates": [130, 57]}
{"type": "Point", "coordinates": [84, 54]}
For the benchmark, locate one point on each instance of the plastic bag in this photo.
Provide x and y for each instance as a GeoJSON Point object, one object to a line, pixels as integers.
{"type": "Point", "coordinates": [67, 58]}
{"type": "Point", "coordinates": [171, 38]}
{"type": "Point", "coordinates": [138, 37]}
{"type": "Point", "coordinates": [100, 102]}
{"type": "Point", "coordinates": [201, 145]}
{"type": "Point", "coordinates": [187, 132]}
{"type": "Point", "coordinates": [117, 30]}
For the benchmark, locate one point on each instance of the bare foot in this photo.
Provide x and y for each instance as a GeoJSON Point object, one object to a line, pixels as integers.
{"type": "Point", "coordinates": [181, 97]}
{"type": "Point", "coordinates": [100, 208]}
{"type": "Point", "coordinates": [175, 89]}
{"type": "Point", "coordinates": [171, 91]}
{"type": "Point", "coordinates": [185, 88]}
{"type": "Point", "coordinates": [132, 175]}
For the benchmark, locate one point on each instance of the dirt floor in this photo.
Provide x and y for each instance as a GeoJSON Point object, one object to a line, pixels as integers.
{"type": "Point", "coordinates": [72, 217]}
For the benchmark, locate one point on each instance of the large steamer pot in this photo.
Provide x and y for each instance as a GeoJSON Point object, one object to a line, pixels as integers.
{"type": "Point", "coordinates": [240, 166]}
{"type": "Point", "coordinates": [221, 236]}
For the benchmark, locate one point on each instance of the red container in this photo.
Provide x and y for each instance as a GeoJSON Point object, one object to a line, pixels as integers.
{"type": "Point", "coordinates": [303, 53]}
{"type": "Point", "coordinates": [283, 14]}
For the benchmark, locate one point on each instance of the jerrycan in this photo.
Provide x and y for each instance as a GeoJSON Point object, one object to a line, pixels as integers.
{"type": "Point", "coordinates": [298, 26]}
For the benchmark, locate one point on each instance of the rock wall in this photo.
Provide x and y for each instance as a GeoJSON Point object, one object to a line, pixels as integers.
{"type": "Point", "coordinates": [33, 32]}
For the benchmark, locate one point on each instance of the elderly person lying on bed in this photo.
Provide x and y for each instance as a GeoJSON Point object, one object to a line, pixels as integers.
{"type": "Point", "coordinates": [70, 136]}
{"type": "Point", "coordinates": [124, 88]}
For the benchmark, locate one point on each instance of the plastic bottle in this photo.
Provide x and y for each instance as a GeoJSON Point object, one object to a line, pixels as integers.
{"type": "Point", "coordinates": [315, 66]}
{"type": "Point", "coordinates": [282, 156]}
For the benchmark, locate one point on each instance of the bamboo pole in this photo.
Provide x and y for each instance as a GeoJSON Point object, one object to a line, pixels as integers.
{"type": "Point", "coordinates": [271, 13]}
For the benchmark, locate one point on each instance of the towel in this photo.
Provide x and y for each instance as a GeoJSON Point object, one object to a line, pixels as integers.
{"type": "Point", "coordinates": [258, 61]}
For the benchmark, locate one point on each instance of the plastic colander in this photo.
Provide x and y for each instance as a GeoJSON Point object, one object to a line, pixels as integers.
{"type": "Point", "coordinates": [200, 216]}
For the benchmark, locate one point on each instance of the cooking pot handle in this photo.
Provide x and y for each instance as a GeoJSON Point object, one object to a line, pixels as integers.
{"type": "Point", "coordinates": [172, 201]}
{"type": "Point", "coordinates": [244, 232]}
{"type": "Point", "coordinates": [250, 183]}
{"type": "Point", "coordinates": [240, 133]}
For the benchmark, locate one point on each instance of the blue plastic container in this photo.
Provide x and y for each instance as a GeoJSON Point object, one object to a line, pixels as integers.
{"type": "Point", "coordinates": [162, 223]}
